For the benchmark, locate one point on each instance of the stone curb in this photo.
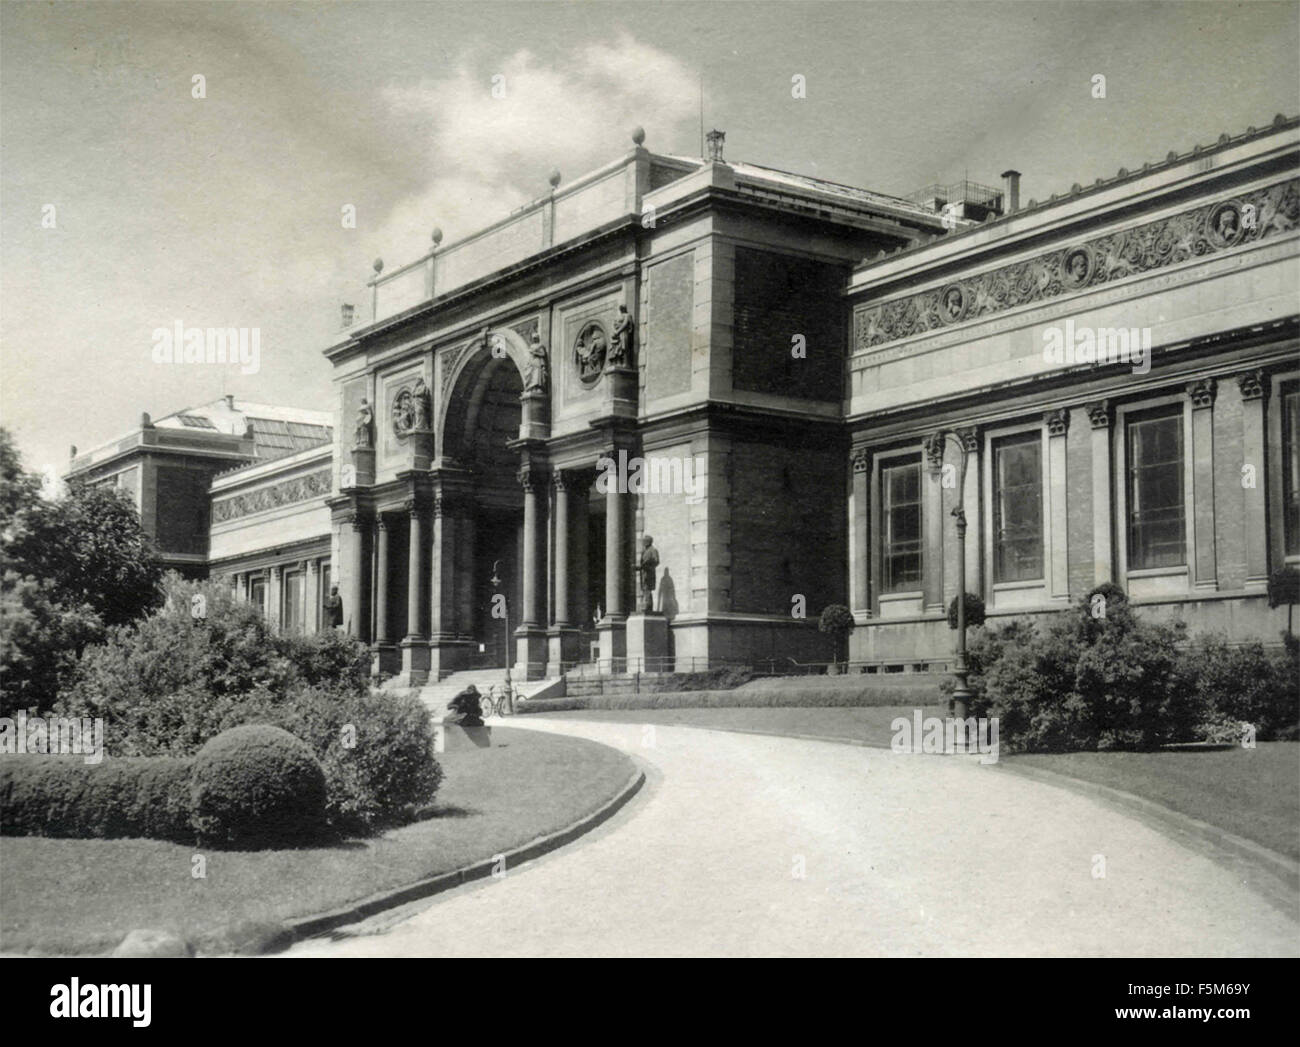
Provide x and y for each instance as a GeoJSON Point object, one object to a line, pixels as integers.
{"type": "Point", "coordinates": [311, 926]}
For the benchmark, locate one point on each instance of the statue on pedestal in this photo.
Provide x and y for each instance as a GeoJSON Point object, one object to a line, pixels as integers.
{"type": "Point", "coordinates": [535, 374]}
{"type": "Point", "coordinates": [421, 404]}
{"type": "Point", "coordinates": [620, 352]}
{"type": "Point", "coordinates": [645, 569]}
{"type": "Point", "coordinates": [364, 438]}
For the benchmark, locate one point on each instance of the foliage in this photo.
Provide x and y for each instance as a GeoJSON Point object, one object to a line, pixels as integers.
{"type": "Point", "coordinates": [974, 611]}
{"type": "Point", "coordinates": [65, 796]}
{"type": "Point", "coordinates": [257, 785]}
{"type": "Point", "coordinates": [1245, 683]}
{"type": "Point", "coordinates": [169, 683]}
{"type": "Point", "coordinates": [837, 621]}
{"type": "Point", "coordinates": [1092, 677]}
{"type": "Point", "coordinates": [376, 749]}
{"type": "Point", "coordinates": [69, 568]}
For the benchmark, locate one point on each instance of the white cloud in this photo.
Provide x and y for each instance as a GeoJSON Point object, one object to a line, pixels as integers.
{"type": "Point", "coordinates": [489, 155]}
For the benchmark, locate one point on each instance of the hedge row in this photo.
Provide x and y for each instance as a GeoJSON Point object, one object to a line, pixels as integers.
{"type": "Point", "coordinates": [795, 693]}
{"type": "Point", "coordinates": [145, 796]}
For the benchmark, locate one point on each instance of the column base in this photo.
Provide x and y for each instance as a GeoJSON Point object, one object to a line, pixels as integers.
{"type": "Point", "coordinates": [530, 653]}
{"type": "Point", "coordinates": [385, 659]}
{"type": "Point", "coordinates": [415, 661]}
{"type": "Point", "coordinates": [449, 655]}
{"type": "Point", "coordinates": [562, 646]}
{"type": "Point", "coordinates": [647, 644]}
{"type": "Point", "coordinates": [613, 644]}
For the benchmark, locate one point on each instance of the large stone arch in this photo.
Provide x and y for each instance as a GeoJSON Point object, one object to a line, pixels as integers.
{"type": "Point", "coordinates": [481, 370]}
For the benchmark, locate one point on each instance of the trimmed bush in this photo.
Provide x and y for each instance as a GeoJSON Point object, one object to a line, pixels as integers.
{"type": "Point", "coordinates": [257, 785]}
{"type": "Point", "coordinates": [376, 749]}
{"type": "Point", "coordinates": [975, 615]}
{"type": "Point", "coordinates": [65, 796]}
{"type": "Point", "coordinates": [1246, 683]}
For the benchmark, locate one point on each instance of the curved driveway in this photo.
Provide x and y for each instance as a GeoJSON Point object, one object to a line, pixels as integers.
{"type": "Point", "coordinates": [753, 845]}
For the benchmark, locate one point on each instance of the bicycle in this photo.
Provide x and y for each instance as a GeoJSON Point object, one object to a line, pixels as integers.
{"type": "Point", "coordinates": [499, 701]}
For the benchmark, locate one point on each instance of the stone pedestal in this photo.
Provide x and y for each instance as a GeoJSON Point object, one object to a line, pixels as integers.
{"type": "Point", "coordinates": [530, 653]}
{"type": "Point", "coordinates": [562, 646]}
{"type": "Point", "coordinates": [363, 462]}
{"type": "Point", "coordinates": [647, 644]}
{"type": "Point", "coordinates": [385, 659]}
{"type": "Point", "coordinates": [453, 737]}
{"type": "Point", "coordinates": [612, 630]}
{"type": "Point", "coordinates": [535, 411]}
{"type": "Point", "coordinates": [622, 389]}
{"type": "Point", "coordinates": [415, 661]}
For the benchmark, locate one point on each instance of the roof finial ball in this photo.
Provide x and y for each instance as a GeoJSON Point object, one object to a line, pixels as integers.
{"type": "Point", "coordinates": [638, 135]}
{"type": "Point", "coordinates": [554, 177]}
{"type": "Point", "coordinates": [378, 266]}
{"type": "Point", "coordinates": [436, 236]}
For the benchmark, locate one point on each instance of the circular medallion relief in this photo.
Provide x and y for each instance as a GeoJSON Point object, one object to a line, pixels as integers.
{"type": "Point", "coordinates": [589, 352]}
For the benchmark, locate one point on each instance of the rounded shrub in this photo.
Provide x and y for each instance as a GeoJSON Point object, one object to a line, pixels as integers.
{"type": "Point", "coordinates": [975, 613]}
{"type": "Point", "coordinates": [257, 785]}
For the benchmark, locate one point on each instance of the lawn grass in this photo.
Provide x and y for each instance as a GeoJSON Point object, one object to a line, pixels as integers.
{"type": "Point", "coordinates": [850, 723]}
{"type": "Point", "coordinates": [1252, 793]}
{"type": "Point", "coordinates": [83, 896]}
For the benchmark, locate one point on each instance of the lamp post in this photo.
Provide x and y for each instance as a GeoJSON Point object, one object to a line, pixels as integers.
{"type": "Point", "coordinates": [505, 604]}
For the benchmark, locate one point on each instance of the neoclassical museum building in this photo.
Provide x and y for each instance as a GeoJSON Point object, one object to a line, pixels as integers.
{"type": "Point", "coordinates": [790, 386]}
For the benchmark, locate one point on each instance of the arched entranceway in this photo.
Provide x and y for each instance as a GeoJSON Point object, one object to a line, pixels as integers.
{"type": "Point", "coordinates": [482, 420]}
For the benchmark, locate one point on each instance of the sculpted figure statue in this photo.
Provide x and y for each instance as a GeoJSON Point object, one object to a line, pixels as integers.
{"type": "Point", "coordinates": [646, 565]}
{"type": "Point", "coordinates": [535, 374]}
{"type": "Point", "coordinates": [621, 351]}
{"type": "Point", "coordinates": [365, 418]}
{"type": "Point", "coordinates": [421, 403]}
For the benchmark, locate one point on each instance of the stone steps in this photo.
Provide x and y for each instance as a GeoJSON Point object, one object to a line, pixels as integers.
{"type": "Point", "coordinates": [435, 696]}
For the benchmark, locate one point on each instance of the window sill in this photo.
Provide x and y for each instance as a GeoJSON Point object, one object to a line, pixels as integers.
{"type": "Point", "coordinates": [1158, 572]}
{"type": "Point", "coordinates": [1033, 583]}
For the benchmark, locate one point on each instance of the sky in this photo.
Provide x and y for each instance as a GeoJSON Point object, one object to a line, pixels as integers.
{"type": "Point", "coordinates": [227, 210]}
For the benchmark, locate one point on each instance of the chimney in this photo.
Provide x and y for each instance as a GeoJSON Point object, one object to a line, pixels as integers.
{"type": "Point", "coordinates": [72, 451]}
{"type": "Point", "coordinates": [347, 311]}
{"type": "Point", "coordinates": [230, 401]}
{"type": "Point", "coordinates": [715, 138]}
{"type": "Point", "coordinates": [145, 421]}
{"type": "Point", "coordinates": [1011, 192]}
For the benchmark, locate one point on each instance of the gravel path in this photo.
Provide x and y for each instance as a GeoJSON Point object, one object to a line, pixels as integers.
{"type": "Point", "coordinates": [754, 845]}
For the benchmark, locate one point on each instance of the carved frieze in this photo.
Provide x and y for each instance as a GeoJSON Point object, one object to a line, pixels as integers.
{"type": "Point", "coordinates": [273, 496]}
{"type": "Point", "coordinates": [1201, 231]}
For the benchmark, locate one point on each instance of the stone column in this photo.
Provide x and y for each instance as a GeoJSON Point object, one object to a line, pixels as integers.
{"type": "Point", "coordinates": [972, 500]}
{"type": "Point", "coordinates": [562, 606]}
{"type": "Point", "coordinates": [562, 637]}
{"type": "Point", "coordinates": [415, 650]}
{"type": "Point", "coordinates": [1103, 523]}
{"type": "Point", "coordinates": [311, 622]}
{"type": "Point", "coordinates": [861, 461]}
{"type": "Point", "coordinates": [932, 521]}
{"type": "Point", "coordinates": [355, 610]}
{"type": "Point", "coordinates": [530, 637]}
{"type": "Point", "coordinates": [465, 580]}
{"type": "Point", "coordinates": [613, 625]}
{"type": "Point", "coordinates": [381, 581]}
{"type": "Point", "coordinates": [530, 482]}
{"type": "Point", "coordinates": [1254, 514]}
{"type": "Point", "coordinates": [274, 597]}
{"type": "Point", "coordinates": [580, 567]}
{"type": "Point", "coordinates": [1201, 393]}
{"type": "Point", "coordinates": [1057, 567]}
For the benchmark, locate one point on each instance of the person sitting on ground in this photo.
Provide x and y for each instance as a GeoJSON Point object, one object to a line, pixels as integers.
{"type": "Point", "coordinates": [467, 707]}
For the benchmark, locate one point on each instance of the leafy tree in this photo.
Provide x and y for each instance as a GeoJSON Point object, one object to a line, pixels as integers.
{"type": "Point", "coordinates": [69, 569]}
{"type": "Point", "coordinates": [837, 622]}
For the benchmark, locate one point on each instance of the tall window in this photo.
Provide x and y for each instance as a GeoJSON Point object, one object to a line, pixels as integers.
{"type": "Point", "coordinates": [1018, 508]}
{"type": "Point", "coordinates": [257, 593]}
{"type": "Point", "coordinates": [901, 515]}
{"type": "Point", "coordinates": [322, 615]}
{"type": "Point", "coordinates": [1156, 527]}
{"type": "Point", "coordinates": [1291, 467]}
{"type": "Point", "coordinates": [291, 612]}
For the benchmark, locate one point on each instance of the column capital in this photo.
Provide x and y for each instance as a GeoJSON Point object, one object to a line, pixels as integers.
{"type": "Point", "coordinates": [313, 566]}
{"type": "Point", "coordinates": [969, 435]}
{"type": "Point", "coordinates": [358, 521]}
{"type": "Point", "coordinates": [933, 445]}
{"type": "Point", "coordinates": [1252, 385]}
{"type": "Point", "coordinates": [1099, 413]}
{"type": "Point", "coordinates": [572, 482]}
{"type": "Point", "coordinates": [381, 521]}
{"type": "Point", "coordinates": [277, 571]}
{"type": "Point", "coordinates": [531, 479]}
{"type": "Point", "coordinates": [1201, 393]}
{"type": "Point", "coordinates": [1057, 421]}
{"type": "Point", "coordinates": [860, 458]}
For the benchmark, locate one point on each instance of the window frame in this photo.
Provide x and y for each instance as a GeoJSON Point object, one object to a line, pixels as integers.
{"type": "Point", "coordinates": [989, 494]}
{"type": "Point", "coordinates": [883, 463]}
{"type": "Point", "coordinates": [1175, 404]}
